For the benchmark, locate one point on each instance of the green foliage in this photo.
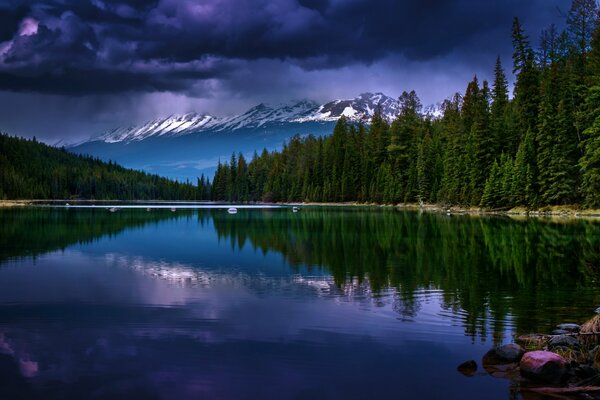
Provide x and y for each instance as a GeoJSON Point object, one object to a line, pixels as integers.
{"type": "Point", "coordinates": [32, 170]}
{"type": "Point", "coordinates": [539, 148]}
{"type": "Point", "coordinates": [590, 161]}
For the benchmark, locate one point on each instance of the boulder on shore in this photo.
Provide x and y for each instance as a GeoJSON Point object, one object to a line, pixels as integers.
{"type": "Point", "coordinates": [563, 341]}
{"type": "Point", "coordinates": [544, 366]}
{"type": "Point", "coordinates": [506, 354]}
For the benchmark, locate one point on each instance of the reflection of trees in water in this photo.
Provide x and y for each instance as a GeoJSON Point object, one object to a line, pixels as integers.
{"type": "Point", "coordinates": [33, 231]}
{"type": "Point", "coordinates": [491, 270]}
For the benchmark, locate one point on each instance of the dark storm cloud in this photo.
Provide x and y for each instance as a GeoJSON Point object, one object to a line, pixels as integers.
{"type": "Point", "coordinates": [79, 47]}
{"type": "Point", "coordinates": [10, 18]}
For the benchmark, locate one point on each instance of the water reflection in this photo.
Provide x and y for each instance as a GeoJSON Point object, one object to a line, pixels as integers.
{"type": "Point", "coordinates": [325, 302]}
{"type": "Point", "coordinates": [35, 231]}
{"type": "Point", "coordinates": [491, 268]}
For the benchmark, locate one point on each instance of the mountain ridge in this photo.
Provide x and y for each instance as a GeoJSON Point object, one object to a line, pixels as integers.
{"type": "Point", "coordinates": [185, 146]}
{"type": "Point", "coordinates": [358, 109]}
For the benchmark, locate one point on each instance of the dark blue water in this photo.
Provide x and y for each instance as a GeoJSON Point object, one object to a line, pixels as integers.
{"type": "Point", "coordinates": [339, 304]}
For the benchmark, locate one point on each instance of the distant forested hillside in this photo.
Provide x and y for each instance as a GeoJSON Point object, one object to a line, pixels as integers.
{"type": "Point", "coordinates": [540, 147]}
{"type": "Point", "coordinates": [32, 170]}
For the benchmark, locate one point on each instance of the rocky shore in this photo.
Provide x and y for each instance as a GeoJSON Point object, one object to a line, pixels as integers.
{"type": "Point", "coordinates": [563, 364]}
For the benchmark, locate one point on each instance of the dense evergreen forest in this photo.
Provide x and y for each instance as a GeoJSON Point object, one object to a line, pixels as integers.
{"type": "Point", "coordinates": [539, 147]}
{"type": "Point", "coordinates": [32, 170]}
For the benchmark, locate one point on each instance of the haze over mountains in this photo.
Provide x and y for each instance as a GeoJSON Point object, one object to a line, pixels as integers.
{"type": "Point", "coordinates": [185, 146]}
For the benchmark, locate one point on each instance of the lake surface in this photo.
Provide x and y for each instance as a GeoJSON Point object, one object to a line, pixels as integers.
{"type": "Point", "coordinates": [337, 303]}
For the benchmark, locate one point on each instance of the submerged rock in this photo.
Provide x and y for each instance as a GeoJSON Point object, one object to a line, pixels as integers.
{"type": "Point", "coordinates": [544, 366]}
{"type": "Point", "coordinates": [468, 368]}
{"type": "Point", "coordinates": [506, 354]}
{"type": "Point", "coordinates": [563, 341]}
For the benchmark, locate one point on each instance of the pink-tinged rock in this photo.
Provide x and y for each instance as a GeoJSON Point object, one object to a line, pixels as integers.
{"type": "Point", "coordinates": [544, 366]}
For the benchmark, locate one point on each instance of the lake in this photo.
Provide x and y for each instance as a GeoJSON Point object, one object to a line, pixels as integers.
{"type": "Point", "coordinates": [337, 303]}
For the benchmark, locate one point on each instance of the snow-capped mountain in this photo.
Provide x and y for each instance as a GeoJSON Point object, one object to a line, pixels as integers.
{"type": "Point", "coordinates": [433, 111]}
{"type": "Point", "coordinates": [170, 126]}
{"type": "Point", "coordinates": [185, 146]}
{"type": "Point", "coordinates": [358, 109]}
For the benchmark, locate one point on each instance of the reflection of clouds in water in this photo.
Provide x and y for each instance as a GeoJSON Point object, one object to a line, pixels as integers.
{"type": "Point", "coordinates": [187, 275]}
{"type": "Point", "coordinates": [27, 366]}
{"type": "Point", "coordinates": [184, 275]}
{"type": "Point", "coordinates": [179, 322]}
{"type": "Point", "coordinates": [353, 289]}
{"type": "Point", "coordinates": [5, 347]}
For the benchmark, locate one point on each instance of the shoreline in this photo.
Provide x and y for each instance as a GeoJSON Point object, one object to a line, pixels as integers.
{"type": "Point", "coordinates": [568, 211]}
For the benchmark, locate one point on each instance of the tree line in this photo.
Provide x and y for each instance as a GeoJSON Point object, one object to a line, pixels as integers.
{"type": "Point", "coordinates": [539, 147]}
{"type": "Point", "coordinates": [33, 170]}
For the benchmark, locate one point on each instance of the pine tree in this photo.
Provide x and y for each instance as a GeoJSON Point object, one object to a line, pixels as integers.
{"type": "Point", "coordinates": [590, 160]}
{"type": "Point", "coordinates": [499, 130]}
{"type": "Point", "coordinates": [526, 93]}
{"type": "Point", "coordinates": [524, 191]}
{"type": "Point", "coordinates": [492, 193]}
{"type": "Point", "coordinates": [581, 23]}
{"type": "Point", "coordinates": [405, 132]}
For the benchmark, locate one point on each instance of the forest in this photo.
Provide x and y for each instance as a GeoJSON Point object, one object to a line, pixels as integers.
{"type": "Point", "coordinates": [33, 170]}
{"type": "Point", "coordinates": [539, 146]}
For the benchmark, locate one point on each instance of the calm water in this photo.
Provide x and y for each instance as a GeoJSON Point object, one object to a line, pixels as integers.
{"type": "Point", "coordinates": [339, 303]}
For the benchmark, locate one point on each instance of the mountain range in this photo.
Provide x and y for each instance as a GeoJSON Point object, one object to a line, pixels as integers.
{"type": "Point", "coordinates": [184, 146]}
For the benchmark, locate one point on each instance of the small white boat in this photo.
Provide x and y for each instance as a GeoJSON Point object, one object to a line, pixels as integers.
{"type": "Point", "coordinates": [67, 205]}
{"type": "Point", "coordinates": [173, 209]}
{"type": "Point", "coordinates": [113, 209]}
{"type": "Point", "coordinates": [232, 210]}
{"type": "Point", "coordinates": [295, 209]}
{"type": "Point", "coordinates": [148, 209]}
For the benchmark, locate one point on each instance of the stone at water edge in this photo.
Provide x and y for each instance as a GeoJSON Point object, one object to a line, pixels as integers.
{"type": "Point", "coordinates": [563, 341]}
{"type": "Point", "coordinates": [585, 371]}
{"type": "Point", "coordinates": [468, 368]}
{"type": "Point", "coordinates": [543, 366]}
{"type": "Point", "coordinates": [506, 354]}
{"type": "Point", "coordinates": [573, 328]}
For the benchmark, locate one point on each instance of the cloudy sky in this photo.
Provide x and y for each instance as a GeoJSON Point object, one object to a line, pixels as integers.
{"type": "Point", "coordinates": [71, 68]}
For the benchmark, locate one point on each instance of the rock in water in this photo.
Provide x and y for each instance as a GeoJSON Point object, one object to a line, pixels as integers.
{"type": "Point", "coordinates": [543, 366]}
{"type": "Point", "coordinates": [509, 353]}
{"type": "Point", "coordinates": [563, 341]}
{"type": "Point", "coordinates": [574, 328]}
{"type": "Point", "coordinates": [468, 368]}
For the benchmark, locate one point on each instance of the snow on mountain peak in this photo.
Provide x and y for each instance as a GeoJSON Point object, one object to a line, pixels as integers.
{"type": "Point", "coordinates": [359, 109]}
{"type": "Point", "coordinates": [173, 125]}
